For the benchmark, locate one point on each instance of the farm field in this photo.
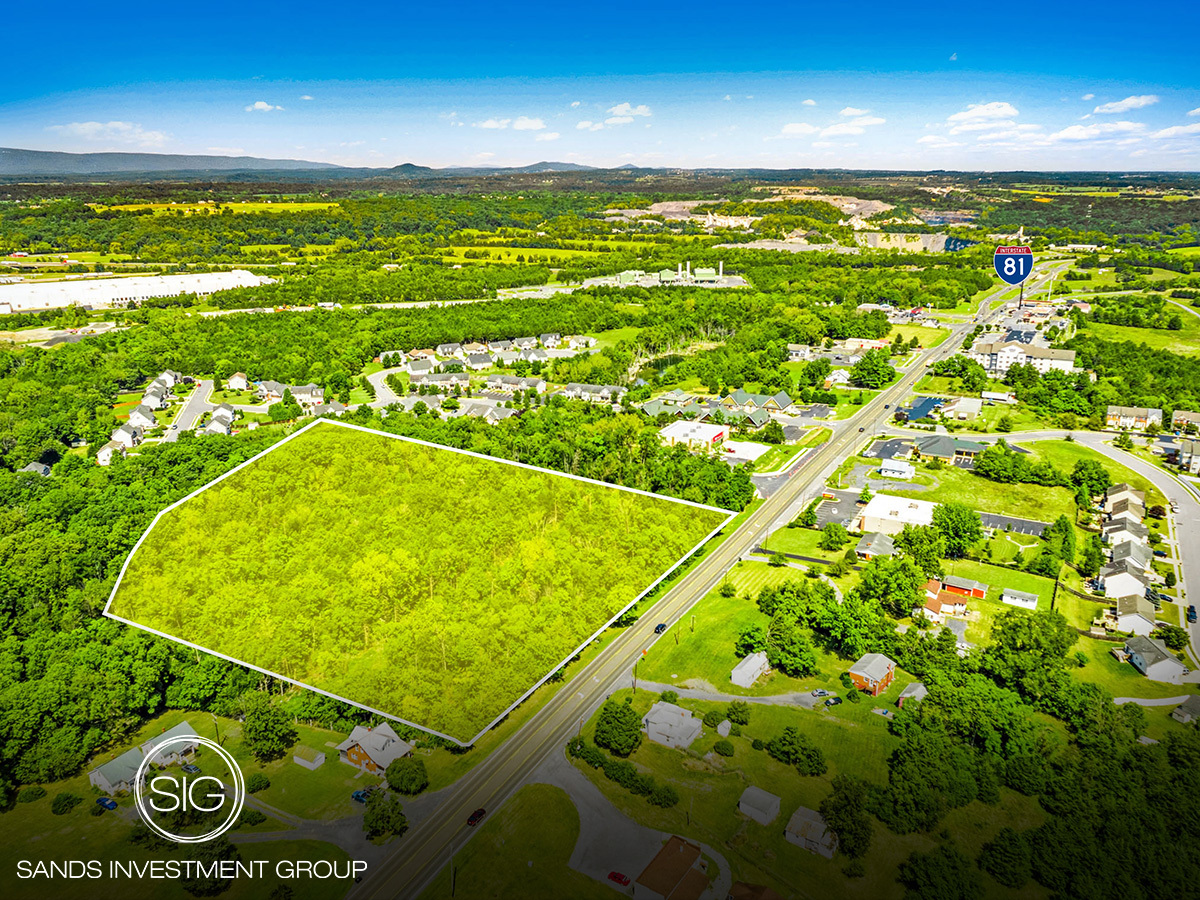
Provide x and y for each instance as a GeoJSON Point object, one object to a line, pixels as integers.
{"type": "Point", "coordinates": [235, 206]}
{"type": "Point", "coordinates": [1185, 341]}
{"type": "Point", "coordinates": [444, 625]}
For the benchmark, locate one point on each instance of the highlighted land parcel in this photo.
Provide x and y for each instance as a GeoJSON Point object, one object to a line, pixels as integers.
{"type": "Point", "coordinates": [431, 585]}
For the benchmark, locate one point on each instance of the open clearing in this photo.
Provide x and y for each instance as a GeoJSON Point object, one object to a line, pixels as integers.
{"type": "Point", "coordinates": [430, 585]}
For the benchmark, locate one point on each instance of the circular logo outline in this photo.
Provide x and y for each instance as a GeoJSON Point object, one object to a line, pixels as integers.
{"type": "Point", "coordinates": [238, 786]}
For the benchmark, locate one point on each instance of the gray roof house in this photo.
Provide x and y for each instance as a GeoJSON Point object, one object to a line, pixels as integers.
{"type": "Point", "coordinates": [525, 343]}
{"type": "Point", "coordinates": [750, 669]}
{"type": "Point", "coordinates": [449, 349]}
{"type": "Point", "coordinates": [420, 366]}
{"type": "Point", "coordinates": [807, 829]}
{"type": "Point", "coordinates": [1153, 659]}
{"type": "Point", "coordinates": [551, 339]}
{"type": "Point", "coordinates": [36, 468]}
{"type": "Point", "coordinates": [875, 544]}
{"type": "Point", "coordinates": [759, 805]}
{"type": "Point", "coordinates": [1188, 710]}
{"type": "Point", "coordinates": [177, 751]}
{"type": "Point", "coordinates": [117, 774]}
{"type": "Point", "coordinates": [143, 417]}
{"type": "Point", "coordinates": [478, 361]}
{"type": "Point", "coordinates": [670, 725]}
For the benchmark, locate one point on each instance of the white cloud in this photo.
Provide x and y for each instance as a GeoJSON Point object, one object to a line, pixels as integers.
{"type": "Point", "coordinates": [1177, 131]}
{"type": "Point", "coordinates": [229, 151]}
{"type": "Point", "coordinates": [262, 106]}
{"type": "Point", "coordinates": [626, 109]}
{"type": "Point", "coordinates": [1120, 106]}
{"type": "Point", "coordinates": [854, 126]}
{"type": "Point", "coordinates": [575, 104]}
{"type": "Point", "coordinates": [799, 128]}
{"type": "Point", "coordinates": [492, 123]}
{"type": "Point", "coordinates": [113, 132]}
{"type": "Point", "coordinates": [618, 120]}
{"type": "Point", "coordinates": [306, 97]}
{"type": "Point", "coordinates": [1092, 132]}
{"type": "Point", "coordinates": [937, 142]}
{"type": "Point", "coordinates": [978, 116]}
{"type": "Point", "coordinates": [953, 57]}
{"type": "Point", "coordinates": [1194, 112]}
{"type": "Point", "coordinates": [852, 111]}
{"type": "Point", "coordinates": [587, 125]}
{"type": "Point", "coordinates": [809, 102]}
{"type": "Point", "coordinates": [524, 123]}
{"type": "Point", "coordinates": [1088, 97]}
{"type": "Point", "coordinates": [824, 145]}
{"type": "Point", "coordinates": [547, 136]}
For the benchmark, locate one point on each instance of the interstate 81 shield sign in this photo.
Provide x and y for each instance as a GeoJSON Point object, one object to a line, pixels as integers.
{"type": "Point", "coordinates": [1013, 264]}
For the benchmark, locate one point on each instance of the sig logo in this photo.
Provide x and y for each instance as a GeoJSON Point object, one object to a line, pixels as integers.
{"type": "Point", "coordinates": [190, 808]}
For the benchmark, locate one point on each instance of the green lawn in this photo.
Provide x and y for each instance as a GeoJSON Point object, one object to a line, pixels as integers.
{"type": "Point", "coordinates": [522, 850]}
{"type": "Point", "coordinates": [1185, 341]}
{"type": "Point", "coordinates": [323, 579]}
{"type": "Point", "coordinates": [613, 337]}
{"type": "Point", "coordinates": [1064, 455]}
{"type": "Point", "coordinates": [854, 740]}
{"type": "Point", "coordinates": [237, 398]}
{"type": "Point", "coordinates": [1025, 501]}
{"type": "Point", "coordinates": [929, 337]}
{"type": "Point", "coordinates": [816, 437]}
{"type": "Point", "coordinates": [1121, 679]}
{"type": "Point", "coordinates": [777, 458]}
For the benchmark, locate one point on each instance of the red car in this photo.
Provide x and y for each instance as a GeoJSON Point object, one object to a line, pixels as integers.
{"type": "Point", "coordinates": [620, 879]}
{"type": "Point", "coordinates": [476, 817]}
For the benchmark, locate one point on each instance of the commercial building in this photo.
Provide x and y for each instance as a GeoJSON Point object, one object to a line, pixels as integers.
{"type": "Point", "coordinates": [889, 515]}
{"type": "Point", "coordinates": [102, 293]}
{"type": "Point", "coordinates": [998, 357]}
{"type": "Point", "coordinates": [694, 435]}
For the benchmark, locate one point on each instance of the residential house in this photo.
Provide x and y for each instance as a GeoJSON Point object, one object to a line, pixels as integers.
{"type": "Point", "coordinates": [580, 342]}
{"type": "Point", "coordinates": [474, 347]}
{"type": "Point", "coordinates": [534, 355]}
{"type": "Point", "coordinates": [1020, 599]}
{"type": "Point", "coordinates": [155, 399]}
{"type": "Point", "coordinates": [420, 366]}
{"type": "Point", "coordinates": [1181, 419]}
{"type": "Point", "coordinates": [477, 362]}
{"type": "Point", "coordinates": [694, 435]}
{"type": "Point", "coordinates": [128, 436]}
{"type": "Point", "coordinates": [507, 357]}
{"type": "Point", "coordinates": [225, 411]}
{"type": "Point", "coordinates": [332, 408]}
{"type": "Point", "coordinates": [837, 378]}
{"type": "Point", "coordinates": [309, 395]}
{"type": "Point", "coordinates": [750, 669]}
{"type": "Point", "coordinates": [119, 774]}
{"type": "Point", "coordinates": [1123, 579]}
{"type": "Point", "coordinates": [424, 353]}
{"type": "Point", "coordinates": [1122, 491]}
{"type": "Point", "coordinates": [238, 382]}
{"type": "Point", "coordinates": [170, 378]}
{"type": "Point", "coordinates": [998, 397]}
{"type": "Point", "coordinates": [940, 605]}
{"type": "Point", "coordinates": [916, 692]}
{"type": "Point", "coordinates": [1125, 529]}
{"type": "Point", "coordinates": [964, 587]}
{"type": "Point", "coordinates": [999, 356]}
{"type": "Point", "coordinates": [671, 725]}
{"type": "Point", "coordinates": [875, 544]}
{"type": "Point", "coordinates": [525, 343]}
{"type": "Point", "coordinates": [105, 454]}
{"type": "Point", "coordinates": [143, 417]}
{"type": "Point", "coordinates": [898, 469]}
{"type": "Point", "coordinates": [889, 515]}
{"type": "Point", "coordinates": [216, 426]}
{"type": "Point", "coordinates": [1137, 418]}
{"type": "Point", "coordinates": [873, 673]}
{"type": "Point", "coordinates": [799, 352]}
{"type": "Point", "coordinates": [1188, 710]}
{"type": "Point", "coordinates": [178, 745]}
{"type": "Point", "coordinates": [1127, 508]}
{"type": "Point", "coordinates": [808, 830]}
{"type": "Point", "coordinates": [1136, 552]}
{"type": "Point", "coordinates": [1152, 658]}
{"type": "Point", "coordinates": [447, 350]}
{"type": "Point", "coordinates": [270, 391]}
{"type": "Point", "coordinates": [443, 379]}
{"type": "Point", "coordinates": [1134, 614]}
{"type": "Point", "coordinates": [36, 468]}
{"type": "Point", "coordinates": [677, 872]}
{"type": "Point", "coordinates": [373, 749]}
{"type": "Point", "coordinates": [550, 339]}
{"type": "Point", "coordinates": [759, 805]}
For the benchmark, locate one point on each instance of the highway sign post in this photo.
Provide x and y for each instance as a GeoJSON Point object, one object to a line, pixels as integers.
{"type": "Point", "coordinates": [1014, 265]}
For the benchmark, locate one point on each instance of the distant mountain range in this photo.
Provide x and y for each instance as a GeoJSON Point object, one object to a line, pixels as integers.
{"type": "Point", "coordinates": [45, 163]}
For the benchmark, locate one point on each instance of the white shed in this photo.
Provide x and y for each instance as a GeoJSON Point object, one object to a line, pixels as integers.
{"type": "Point", "coordinates": [750, 669]}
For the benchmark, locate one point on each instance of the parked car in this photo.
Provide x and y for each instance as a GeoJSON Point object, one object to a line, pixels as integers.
{"type": "Point", "coordinates": [660, 627]}
{"type": "Point", "coordinates": [1160, 553]}
{"type": "Point", "coordinates": [106, 802]}
{"type": "Point", "coordinates": [1191, 614]}
{"type": "Point", "coordinates": [191, 769]}
{"type": "Point", "coordinates": [618, 878]}
{"type": "Point", "coordinates": [820, 692]}
{"type": "Point", "coordinates": [476, 817]}
{"type": "Point", "coordinates": [887, 406]}
{"type": "Point", "coordinates": [861, 430]}
{"type": "Point", "coordinates": [834, 701]}
{"type": "Point", "coordinates": [360, 796]}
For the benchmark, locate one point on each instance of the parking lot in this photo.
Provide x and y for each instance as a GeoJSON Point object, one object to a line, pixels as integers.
{"type": "Point", "coordinates": [841, 510]}
{"type": "Point", "coordinates": [1019, 526]}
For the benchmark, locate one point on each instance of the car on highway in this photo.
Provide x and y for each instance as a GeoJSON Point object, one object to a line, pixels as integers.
{"type": "Point", "coordinates": [174, 426]}
{"type": "Point", "coordinates": [476, 817]}
{"type": "Point", "coordinates": [360, 796]}
{"type": "Point", "coordinates": [820, 692]}
{"type": "Point", "coordinates": [887, 406]}
{"type": "Point", "coordinates": [1191, 614]}
{"type": "Point", "coordinates": [833, 701]}
{"type": "Point", "coordinates": [190, 768]}
{"type": "Point", "coordinates": [106, 803]}
{"type": "Point", "coordinates": [861, 430]}
{"type": "Point", "coordinates": [1160, 553]}
{"type": "Point", "coordinates": [619, 878]}
{"type": "Point", "coordinates": [660, 627]}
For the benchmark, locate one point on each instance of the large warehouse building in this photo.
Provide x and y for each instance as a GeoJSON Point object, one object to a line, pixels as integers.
{"type": "Point", "coordinates": [101, 293]}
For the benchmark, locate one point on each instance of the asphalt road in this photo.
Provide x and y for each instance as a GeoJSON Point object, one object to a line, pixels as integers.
{"type": "Point", "coordinates": [195, 407]}
{"type": "Point", "coordinates": [426, 849]}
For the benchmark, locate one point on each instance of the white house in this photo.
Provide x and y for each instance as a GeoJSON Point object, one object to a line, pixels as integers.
{"type": "Point", "coordinates": [177, 751]}
{"type": "Point", "coordinates": [1123, 579]}
{"type": "Point", "coordinates": [118, 774]}
{"type": "Point", "coordinates": [671, 725]}
{"type": "Point", "coordinates": [1134, 614]}
{"type": "Point", "coordinates": [838, 377]}
{"type": "Point", "coordinates": [759, 805]}
{"type": "Point", "coordinates": [105, 454]}
{"type": "Point", "coordinates": [128, 436]}
{"type": "Point", "coordinates": [889, 515]}
{"type": "Point", "coordinates": [964, 408]}
{"type": "Point", "coordinates": [1020, 599]}
{"type": "Point", "coordinates": [808, 830]}
{"type": "Point", "coordinates": [309, 394]}
{"type": "Point", "coordinates": [897, 468]}
{"type": "Point", "coordinates": [143, 417]}
{"type": "Point", "coordinates": [1154, 660]}
{"type": "Point", "coordinates": [238, 382]}
{"type": "Point", "coordinates": [750, 669]}
{"type": "Point", "coordinates": [478, 361]}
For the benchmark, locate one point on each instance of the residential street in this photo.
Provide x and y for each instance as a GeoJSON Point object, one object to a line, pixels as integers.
{"type": "Point", "coordinates": [193, 409]}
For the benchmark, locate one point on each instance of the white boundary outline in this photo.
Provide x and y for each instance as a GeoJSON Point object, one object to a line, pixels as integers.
{"type": "Point", "coordinates": [729, 516]}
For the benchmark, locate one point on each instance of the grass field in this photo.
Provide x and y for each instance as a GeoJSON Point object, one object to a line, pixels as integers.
{"type": "Point", "coordinates": [1025, 501]}
{"type": "Point", "coordinates": [522, 850]}
{"type": "Point", "coordinates": [929, 337]}
{"type": "Point", "coordinates": [1064, 455]}
{"type": "Point", "coordinates": [415, 592]}
{"type": "Point", "coordinates": [1186, 341]}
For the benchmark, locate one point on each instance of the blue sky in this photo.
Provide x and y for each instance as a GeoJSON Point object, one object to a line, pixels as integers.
{"type": "Point", "coordinates": [776, 85]}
